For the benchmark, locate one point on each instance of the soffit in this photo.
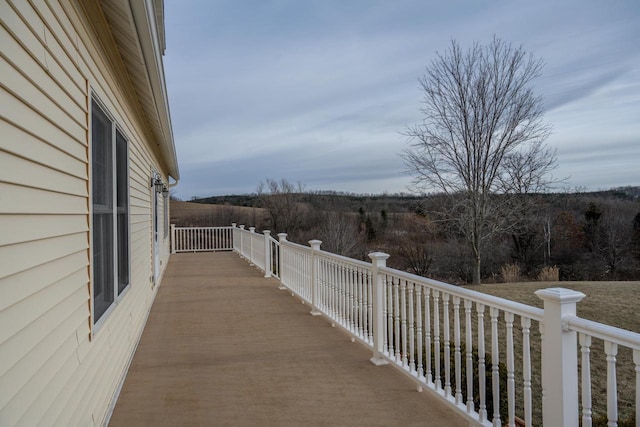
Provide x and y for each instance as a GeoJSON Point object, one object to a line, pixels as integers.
{"type": "Point", "coordinates": [149, 86]}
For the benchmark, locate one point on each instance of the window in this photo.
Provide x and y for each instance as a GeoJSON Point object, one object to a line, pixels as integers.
{"type": "Point", "coordinates": [110, 210]}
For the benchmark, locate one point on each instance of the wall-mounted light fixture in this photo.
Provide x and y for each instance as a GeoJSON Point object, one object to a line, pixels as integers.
{"type": "Point", "coordinates": [157, 184]}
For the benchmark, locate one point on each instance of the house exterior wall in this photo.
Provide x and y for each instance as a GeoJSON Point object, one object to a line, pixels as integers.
{"type": "Point", "coordinates": [56, 367]}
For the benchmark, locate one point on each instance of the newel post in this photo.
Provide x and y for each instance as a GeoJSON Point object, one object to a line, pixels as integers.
{"type": "Point", "coordinates": [267, 253]}
{"type": "Point", "coordinates": [282, 238]}
{"type": "Point", "coordinates": [559, 358]}
{"type": "Point", "coordinates": [315, 247]}
{"type": "Point", "coordinates": [251, 231]}
{"type": "Point", "coordinates": [378, 259]}
{"type": "Point", "coordinates": [241, 241]}
{"type": "Point", "coordinates": [173, 238]}
{"type": "Point", "coordinates": [233, 236]}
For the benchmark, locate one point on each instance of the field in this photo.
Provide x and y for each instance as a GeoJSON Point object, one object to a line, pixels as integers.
{"type": "Point", "coordinates": [185, 214]}
{"type": "Point", "coordinates": [612, 303]}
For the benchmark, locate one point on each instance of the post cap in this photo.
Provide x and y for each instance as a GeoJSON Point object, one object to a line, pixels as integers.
{"type": "Point", "coordinates": [282, 237]}
{"type": "Point", "coordinates": [267, 232]}
{"type": "Point", "coordinates": [379, 255]}
{"type": "Point", "coordinates": [315, 244]}
{"type": "Point", "coordinates": [560, 295]}
{"type": "Point", "coordinates": [252, 229]}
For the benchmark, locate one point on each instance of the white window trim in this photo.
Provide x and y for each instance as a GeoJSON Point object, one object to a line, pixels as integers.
{"type": "Point", "coordinates": [96, 326]}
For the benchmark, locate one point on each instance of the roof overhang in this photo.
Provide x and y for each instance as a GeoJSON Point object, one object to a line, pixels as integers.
{"type": "Point", "coordinates": [138, 30]}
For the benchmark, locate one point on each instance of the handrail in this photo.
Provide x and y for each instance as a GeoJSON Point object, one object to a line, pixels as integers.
{"type": "Point", "coordinates": [504, 304]}
{"type": "Point", "coordinates": [604, 332]}
{"type": "Point", "coordinates": [341, 258]}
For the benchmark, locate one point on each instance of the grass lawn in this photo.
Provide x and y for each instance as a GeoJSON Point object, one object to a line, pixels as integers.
{"type": "Point", "coordinates": [613, 303]}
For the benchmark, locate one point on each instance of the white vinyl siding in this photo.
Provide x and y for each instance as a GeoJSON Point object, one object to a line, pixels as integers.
{"type": "Point", "coordinates": [54, 370]}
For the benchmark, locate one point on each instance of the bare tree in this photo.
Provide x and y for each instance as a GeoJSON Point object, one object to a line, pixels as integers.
{"type": "Point", "coordinates": [482, 136]}
{"type": "Point", "coordinates": [339, 233]}
{"type": "Point", "coordinates": [280, 199]}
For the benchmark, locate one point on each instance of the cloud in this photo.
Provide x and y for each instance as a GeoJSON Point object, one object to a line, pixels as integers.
{"type": "Point", "coordinates": [319, 91]}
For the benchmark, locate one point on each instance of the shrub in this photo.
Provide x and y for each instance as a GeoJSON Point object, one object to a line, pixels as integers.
{"type": "Point", "coordinates": [549, 274]}
{"type": "Point", "coordinates": [510, 273]}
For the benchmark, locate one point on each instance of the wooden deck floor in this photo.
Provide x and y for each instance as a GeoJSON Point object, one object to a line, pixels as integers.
{"type": "Point", "coordinates": [224, 347]}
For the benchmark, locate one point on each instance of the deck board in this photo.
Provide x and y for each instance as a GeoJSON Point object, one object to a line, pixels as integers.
{"type": "Point", "coordinates": [224, 347]}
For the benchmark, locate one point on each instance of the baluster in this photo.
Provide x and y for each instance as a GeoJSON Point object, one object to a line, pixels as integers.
{"type": "Point", "coordinates": [636, 362]}
{"type": "Point", "coordinates": [325, 287]}
{"type": "Point", "coordinates": [436, 338]}
{"type": "Point", "coordinates": [344, 296]}
{"type": "Point", "coordinates": [370, 304]}
{"type": "Point", "coordinates": [360, 302]}
{"type": "Point", "coordinates": [353, 276]}
{"type": "Point", "coordinates": [355, 309]}
{"type": "Point", "coordinates": [585, 374]}
{"type": "Point", "coordinates": [611, 350]}
{"type": "Point", "coordinates": [363, 305]}
{"type": "Point", "coordinates": [456, 343]}
{"type": "Point", "coordinates": [526, 369]}
{"type": "Point", "coordinates": [495, 368]}
{"type": "Point", "coordinates": [511, 377]}
{"type": "Point", "coordinates": [389, 287]}
{"type": "Point", "coordinates": [385, 316]}
{"type": "Point", "coordinates": [396, 316]}
{"type": "Point", "coordinates": [412, 319]}
{"type": "Point", "coordinates": [469, 351]}
{"type": "Point", "coordinates": [542, 383]}
{"type": "Point", "coordinates": [482, 383]}
{"type": "Point", "coordinates": [447, 345]}
{"type": "Point", "coordinates": [419, 330]}
{"type": "Point", "coordinates": [403, 318]}
{"type": "Point", "coordinates": [350, 304]}
{"type": "Point", "coordinates": [347, 296]}
{"type": "Point", "coordinates": [427, 332]}
{"type": "Point", "coordinates": [334, 290]}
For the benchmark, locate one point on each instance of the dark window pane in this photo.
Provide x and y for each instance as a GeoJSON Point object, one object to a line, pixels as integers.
{"type": "Point", "coordinates": [101, 158]}
{"type": "Point", "coordinates": [102, 186]}
{"type": "Point", "coordinates": [102, 263]}
{"type": "Point", "coordinates": [123, 211]}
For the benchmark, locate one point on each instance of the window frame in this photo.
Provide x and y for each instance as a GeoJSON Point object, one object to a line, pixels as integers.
{"type": "Point", "coordinates": [116, 131]}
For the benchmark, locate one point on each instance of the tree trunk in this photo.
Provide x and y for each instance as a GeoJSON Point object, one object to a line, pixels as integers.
{"type": "Point", "coordinates": [476, 270]}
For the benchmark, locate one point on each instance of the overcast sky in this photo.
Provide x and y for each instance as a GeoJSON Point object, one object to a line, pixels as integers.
{"type": "Point", "coordinates": [320, 91]}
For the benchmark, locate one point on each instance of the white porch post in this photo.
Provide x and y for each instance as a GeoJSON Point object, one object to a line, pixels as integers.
{"type": "Point", "coordinates": [315, 247]}
{"type": "Point", "coordinates": [251, 231]}
{"type": "Point", "coordinates": [173, 238]}
{"type": "Point", "coordinates": [378, 259]}
{"type": "Point", "coordinates": [233, 236]}
{"type": "Point", "coordinates": [282, 237]}
{"type": "Point", "coordinates": [267, 253]}
{"type": "Point", "coordinates": [559, 358]}
{"type": "Point", "coordinates": [241, 241]}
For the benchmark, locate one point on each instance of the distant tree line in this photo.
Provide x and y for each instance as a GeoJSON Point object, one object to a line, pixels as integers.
{"type": "Point", "coordinates": [586, 236]}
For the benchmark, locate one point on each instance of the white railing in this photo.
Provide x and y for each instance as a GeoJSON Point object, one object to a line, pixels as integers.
{"type": "Point", "coordinates": [437, 334]}
{"type": "Point", "coordinates": [201, 239]}
{"type": "Point", "coordinates": [611, 339]}
{"type": "Point", "coordinates": [496, 362]}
